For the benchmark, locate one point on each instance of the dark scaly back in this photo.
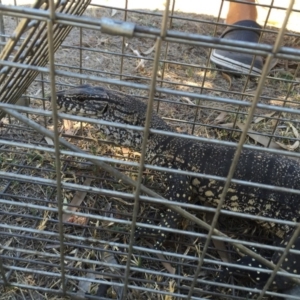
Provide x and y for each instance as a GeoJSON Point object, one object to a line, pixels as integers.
{"type": "Point", "coordinates": [253, 166]}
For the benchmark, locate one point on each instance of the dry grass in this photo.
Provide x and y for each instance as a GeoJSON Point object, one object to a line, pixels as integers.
{"type": "Point", "coordinates": [184, 71]}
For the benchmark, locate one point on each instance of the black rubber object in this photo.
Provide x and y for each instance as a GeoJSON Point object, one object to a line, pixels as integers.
{"type": "Point", "coordinates": [235, 61]}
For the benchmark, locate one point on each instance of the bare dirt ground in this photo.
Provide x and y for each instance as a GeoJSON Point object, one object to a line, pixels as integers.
{"type": "Point", "coordinates": [183, 70]}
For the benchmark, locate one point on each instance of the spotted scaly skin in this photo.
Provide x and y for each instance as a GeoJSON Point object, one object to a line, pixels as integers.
{"type": "Point", "coordinates": [199, 157]}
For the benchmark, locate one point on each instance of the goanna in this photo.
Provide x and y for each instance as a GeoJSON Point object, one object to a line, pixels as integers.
{"type": "Point", "coordinates": [199, 157]}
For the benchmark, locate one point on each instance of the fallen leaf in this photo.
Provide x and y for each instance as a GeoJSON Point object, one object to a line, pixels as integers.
{"type": "Point", "coordinates": [7, 244]}
{"type": "Point", "coordinates": [187, 100]}
{"type": "Point", "coordinates": [65, 201]}
{"type": "Point", "coordinates": [48, 141]}
{"type": "Point", "coordinates": [221, 117]}
{"type": "Point", "coordinates": [107, 208]}
{"type": "Point", "coordinates": [295, 131]}
{"type": "Point", "coordinates": [273, 63]}
{"type": "Point", "coordinates": [227, 125]}
{"type": "Point", "coordinates": [69, 127]}
{"type": "Point", "coordinates": [76, 201]}
{"type": "Point", "coordinates": [84, 286]}
{"type": "Point", "coordinates": [260, 139]}
{"type": "Point", "coordinates": [263, 140]}
{"type": "Point", "coordinates": [141, 63]}
{"type": "Point", "coordinates": [149, 51]}
{"type": "Point", "coordinates": [296, 144]}
{"type": "Point", "coordinates": [289, 147]}
{"type": "Point", "coordinates": [228, 78]}
{"type": "Point", "coordinates": [109, 258]}
{"type": "Point", "coordinates": [167, 265]}
{"type": "Point", "coordinates": [266, 116]}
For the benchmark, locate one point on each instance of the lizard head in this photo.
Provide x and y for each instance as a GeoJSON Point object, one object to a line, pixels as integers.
{"type": "Point", "coordinates": [97, 102]}
{"type": "Point", "coordinates": [114, 106]}
{"type": "Point", "coordinates": [109, 105]}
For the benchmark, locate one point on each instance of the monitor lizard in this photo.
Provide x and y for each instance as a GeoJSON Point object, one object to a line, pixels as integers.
{"type": "Point", "coordinates": [200, 157]}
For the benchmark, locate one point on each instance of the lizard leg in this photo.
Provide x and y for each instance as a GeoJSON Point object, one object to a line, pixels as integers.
{"type": "Point", "coordinates": [179, 189]}
{"type": "Point", "coordinates": [291, 264]}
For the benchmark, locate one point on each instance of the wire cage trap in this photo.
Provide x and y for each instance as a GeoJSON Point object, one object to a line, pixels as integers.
{"type": "Point", "coordinates": [73, 196]}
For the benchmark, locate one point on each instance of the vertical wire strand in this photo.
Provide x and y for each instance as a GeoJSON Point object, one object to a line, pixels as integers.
{"type": "Point", "coordinates": [3, 275]}
{"type": "Point", "coordinates": [251, 67]}
{"type": "Point", "coordinates": [80, 52]}
{"type": "Point", "coordinates": [285, 101]}
{"type": "Point", "coordinates": [164, 64]}
{"type": "Point", "coordinates": [198, 109]}
{"type": "Point", "coordinates": [56, 141]}
{"type": "Point", "coordinates": [2, 30]}
{"type": "Point", "coordinates": [152, 89]}
{"type": "Point", "coordinates": [123, 44]}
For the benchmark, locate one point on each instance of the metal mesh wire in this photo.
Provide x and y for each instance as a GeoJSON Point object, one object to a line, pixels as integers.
{"type": "Point", "coordinates": [70, 200]}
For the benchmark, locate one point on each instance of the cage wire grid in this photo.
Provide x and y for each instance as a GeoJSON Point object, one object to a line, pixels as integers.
{"type": "Point", "coordinates": [70, 201]}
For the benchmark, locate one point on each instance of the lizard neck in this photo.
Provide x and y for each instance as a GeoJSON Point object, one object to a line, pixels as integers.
{"type": "Point", "coordinates": [133, 138]}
